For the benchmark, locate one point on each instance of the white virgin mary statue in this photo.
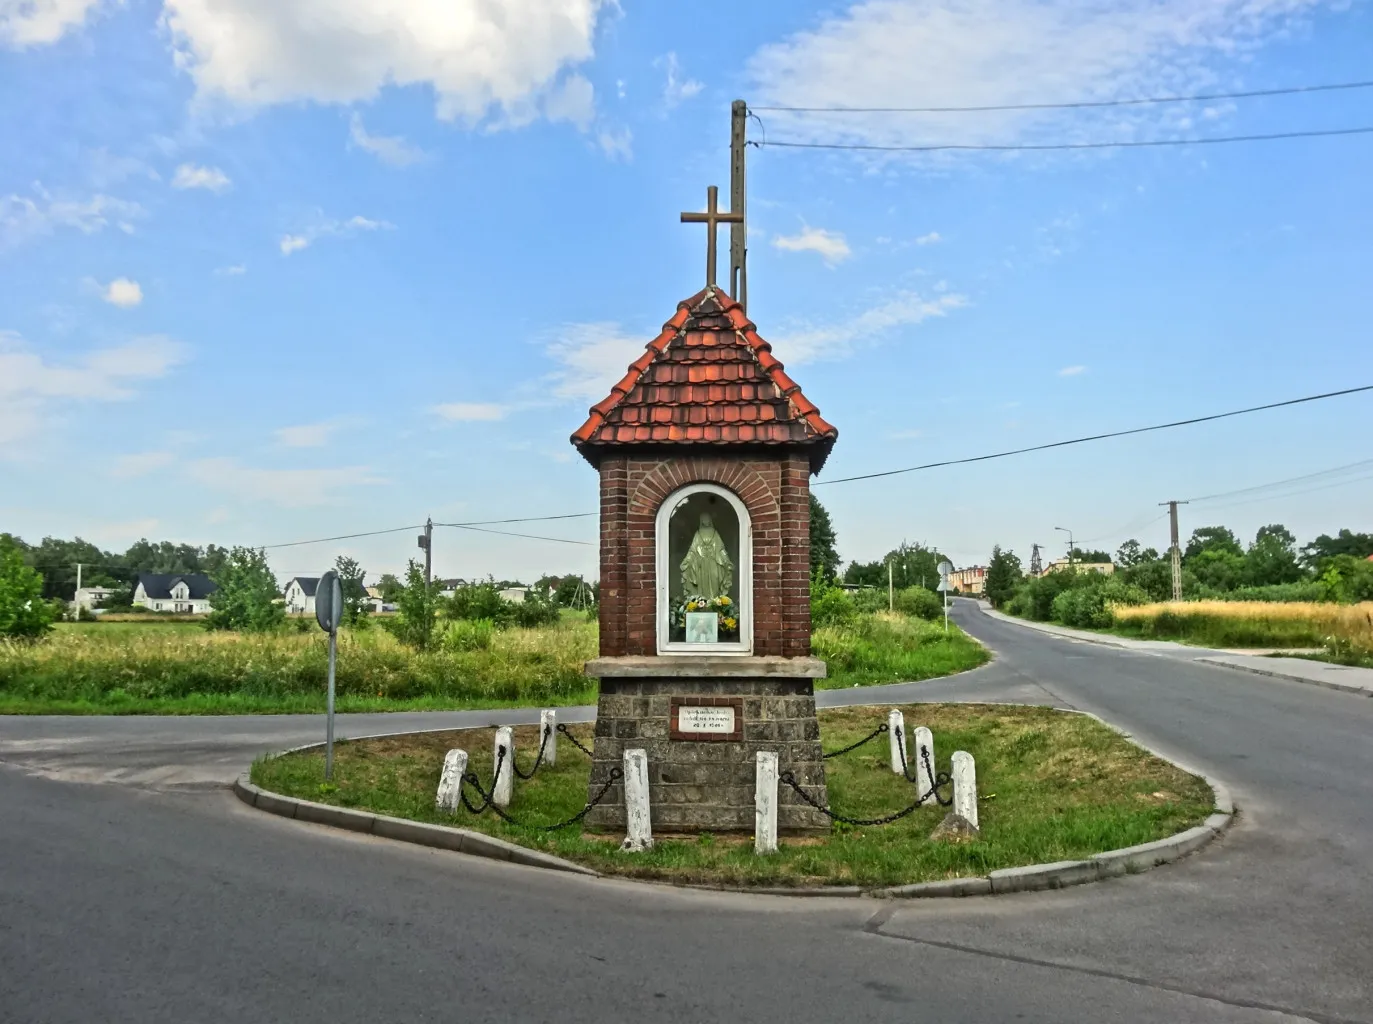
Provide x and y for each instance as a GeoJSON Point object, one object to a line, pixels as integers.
{"type": "Point", "coordinates": [707, 570]}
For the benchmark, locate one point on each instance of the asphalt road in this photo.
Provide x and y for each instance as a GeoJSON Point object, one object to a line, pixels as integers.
{"type": "Point", "coordinates": [134, 887]}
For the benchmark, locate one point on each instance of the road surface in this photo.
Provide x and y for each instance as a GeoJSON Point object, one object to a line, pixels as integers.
{"type": "Point", "coordinates": [134, 887]}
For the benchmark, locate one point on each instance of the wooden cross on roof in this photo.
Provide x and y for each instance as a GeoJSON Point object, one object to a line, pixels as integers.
{"type": "Point", "coordinates": [712, 218]}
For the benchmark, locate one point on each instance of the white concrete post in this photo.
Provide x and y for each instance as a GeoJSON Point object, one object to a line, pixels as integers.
{"type": "Point", "coordinates": [924, 740]}
{"type": "Point", "coordinates": [638, 824]}
{"type": "Point", "coordinates": [896, 739]}
{"type": "Point", "coordinates": [765, 803]}
{"type": "Point", "coordinates": [548, 721]}
{"type": "Point", "coordinates": [504, 787]}
{"type": "Point", "coordinates": [449, 796]}
{"type": "Point", "coordinates": [965, 787]}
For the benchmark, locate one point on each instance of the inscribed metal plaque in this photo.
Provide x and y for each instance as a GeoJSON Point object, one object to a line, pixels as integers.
{"type": "Point", "coordinates": [691, 719]}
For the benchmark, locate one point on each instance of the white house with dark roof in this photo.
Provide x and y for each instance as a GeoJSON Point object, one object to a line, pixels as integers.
{"type": "Point", "coordinates": [187, 593]}
{"type": "Point", "coordinates": [300, 595]}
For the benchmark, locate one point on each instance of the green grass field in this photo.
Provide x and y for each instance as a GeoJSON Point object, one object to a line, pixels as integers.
{"type": "Point", "coordinates": [174, 668]}
{"type": "Point", "coordinates": [1053, 786]}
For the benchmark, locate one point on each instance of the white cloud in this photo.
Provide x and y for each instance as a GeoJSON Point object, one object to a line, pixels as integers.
{"type": "Point", "coordinates": [30, 385]}
{"type": "Point", "coordinates": [307, 435]}
{"type": "Point", "coordinates": [574, 101]}
{"type": "Point", "coordinates": [464, 412]}
{"type": "Point", "coordinates": [389, 149]}
{"type": "Point", "coordinates": [26, 217]}
{"type": "Point", "coordinates": [128, 467]}
{"type": "Point", "coordinates": [330, 229]}
{"type": "Point", "coordinates": [191, 176]}
{"type": "Point", "coordinates": [499, 57]}
{"type": "Point", "coordinates": [927, 53]}
{"type": "Point", "coordinates": [289, 488]}
{"type": "Point", "coordinates": [829, 244]}
{"type": "Point", "coordinates": [1072, 371]}
{"type": "Point", "coordinates": [930, 239]}
{"type": "Point", "coordinates": [593, 356]}
{"type": "Point", "coordinates": [236, 270]}
{"type": "Point", "coordinates": [809, 343]}
{"type": "Point", "coordinates": [618, 144]}
{"type": "Point", "coordinates": [35, 22]}
{"type": "Point", "coordinates": [123, 293]}
{"type": "Point", "coordinates": [675, 88]}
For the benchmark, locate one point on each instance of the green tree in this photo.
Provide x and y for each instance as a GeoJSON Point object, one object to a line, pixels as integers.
{"type": "Point", "coordinates": [390, 587]}
{"type": "Point", "coordinates": [1357, 545]}
{"type": "Point", "coordinates": [417, 604]}
{"type": "Point", "coordinates": [1089, 555]}
{"type": "Point", "coordinates": [1131, 554]}
{"type": "Point", "coordinates": [1004, 576]}
{"type": "Point", "coordinates": [1272, 558]}
{"type": "Point", "coordinates": [24, 614]}
{"type": "Point", "coordinates": [350, 578]}
{"type": "Point", "coordinates": [1211, 538]}
{"type": "Point", "coordinates": [824, 557]}
{"type": "Point", "coordinates": [247, 594]}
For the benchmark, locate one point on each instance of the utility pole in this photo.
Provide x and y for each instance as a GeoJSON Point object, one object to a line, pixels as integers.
{"type": "Point", "coordinates": [427, 542]}
{"type": "Point", "coordinates": [1036, 566]}
{"type": "Point", "coordinates": [1174, 550]}
{"type": "Point", "coordinates": [1070, 544]}
{"type": "Point", "coordinates": [78, 575]}
{"type": "Point", "coordinates": [891, 593]}
{"type": "Point", "coordinates": [738, 273]}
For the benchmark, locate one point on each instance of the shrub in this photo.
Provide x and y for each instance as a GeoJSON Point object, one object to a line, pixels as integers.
{"type": "Point", "coordinates": [23, 612]}
{"type": "Point", "coordinates": [829, 605]}
{"type": "Point", "coordinates": [246, 598]}
{"type": "Point", "coordinates": [534, 610]}
{"type": "Point", "coordinates": [922, 603]}
{"type": "Point", "coordinates": [1089, 606]}
{"type": "Point", "coordinates": [469, 635]}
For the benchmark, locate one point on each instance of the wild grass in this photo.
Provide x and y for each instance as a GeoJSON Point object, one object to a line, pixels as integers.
{"type": "Point", "coordinates": [1053, 786]}
{"type": "Point", "coordinates": [173, 668]}
{"type": "Point", "coordinates": [889, 648]}
{"type": "Point", "coordinates": [1250, 623]}
{"type": "Point", "coordinates": [161, 669]}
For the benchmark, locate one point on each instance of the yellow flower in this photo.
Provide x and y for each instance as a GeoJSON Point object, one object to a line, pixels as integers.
{"type": "Point", "coordinates": [691, 606]}
{"type": "Point", "coordinates": [730, 623]}
{"type": "Point", "coordinates": [724, 600]}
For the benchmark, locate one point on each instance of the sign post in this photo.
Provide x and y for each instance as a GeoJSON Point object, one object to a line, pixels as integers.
{"type": "Point", "coordinates": [945, 568]}
{"type": "Point", "coordinates": [328, 613]}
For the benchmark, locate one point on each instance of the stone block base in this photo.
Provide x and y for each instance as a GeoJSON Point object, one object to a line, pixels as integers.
{"type": "Point", "coordinates": [698, 785]}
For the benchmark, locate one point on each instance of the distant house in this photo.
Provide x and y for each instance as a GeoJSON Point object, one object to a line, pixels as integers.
{"type": "Point", "coordinates": [91, 597]}
{"type": "Point", "coordinates": [300, 595]}
{"type": "Point", "coordinates": [447, 588]}
{"type": "Point", "coordinates": [1062, 564]}
{"type": "Point", "coordinates": [185, 592]}
{"type": "Point", "coordinates": [972, 580]}
{"type": "Point", "coordinates": [515, 595]}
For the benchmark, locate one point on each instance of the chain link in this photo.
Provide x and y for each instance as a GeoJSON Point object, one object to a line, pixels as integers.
{"type": "Point", "coordinates": [616, 774]}
{"type": "Point", "coordinates": [854, 746]}
{"type": "Point", "coordinates": [543, 745]}
{"type": "Point", "coordinates": [575, 742]}
{"type": "Point", "coordinates": [937, 781]}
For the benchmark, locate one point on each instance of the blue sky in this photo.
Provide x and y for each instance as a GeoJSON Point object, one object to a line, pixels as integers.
{"type": "Point", "coordinates": [272, 271]}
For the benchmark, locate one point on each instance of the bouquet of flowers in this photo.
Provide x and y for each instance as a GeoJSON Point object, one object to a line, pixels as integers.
{"type": "Point", "coordinates": [721, 606]}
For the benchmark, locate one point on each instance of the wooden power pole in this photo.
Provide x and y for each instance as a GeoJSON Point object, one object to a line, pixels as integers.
{"type": "Point", "coordinates": [738, 273]}
{"type": "Point", "coordinates": [427, 542]}
{"type": "Point", "coordinates": [1174, 551]}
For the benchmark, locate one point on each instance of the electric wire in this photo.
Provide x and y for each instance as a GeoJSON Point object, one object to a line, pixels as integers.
{"type": "Point", "coordinates": [1290, 90]}
{"type": "Point", "coordinates": [1280, 483]}
{"type": "Point", "coordinates": [342, 536]}
{"type": "Point", "coordinates": [526, 536]}
{"type": "Point", "coordinates": [1096, 437]}
{"type": "Point", "coordinates": [1012, 147]}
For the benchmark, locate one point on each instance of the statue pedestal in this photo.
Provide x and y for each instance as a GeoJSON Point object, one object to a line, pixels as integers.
{"type": "Point", "coordinates": [702, 719]}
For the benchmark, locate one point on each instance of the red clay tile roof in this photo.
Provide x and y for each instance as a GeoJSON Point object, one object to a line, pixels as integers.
{"type": "Point", "coordinates": [708, 378]}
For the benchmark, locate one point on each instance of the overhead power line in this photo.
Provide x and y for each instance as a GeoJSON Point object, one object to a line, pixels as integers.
{"type": "Point", "coordinates": [1291, 90]}
{"type": "Point", "coordinates": [1364, 463]}
{"type": "Point", "coordinates": [342, 536]}
{"type": "Point", "coordinates": [1136, 144]}
{"type": "Point", "coordinates": [526, 536]}
{"type": "Point", "coordinates": [526, 519]}
{"type": "Point", "coordinates": [1097, 437]}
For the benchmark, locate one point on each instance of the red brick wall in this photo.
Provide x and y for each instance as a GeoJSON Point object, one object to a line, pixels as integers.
{"type": "Point", "coordinates": [776, 492]}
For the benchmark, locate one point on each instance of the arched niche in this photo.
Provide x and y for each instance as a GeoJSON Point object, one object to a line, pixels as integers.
{"type": "Point", "coordinates": [693, 525]}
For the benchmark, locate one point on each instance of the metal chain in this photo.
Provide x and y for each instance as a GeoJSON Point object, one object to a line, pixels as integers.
{"type": "Point", "coordinates": [547, 732]}
{"type": "Point", "coordinates": [476, 784]}
{"type": "Point", "coordinates": [854, 746]}
{"type": "Point", "coordinates": [616, 774]}
{"type": "Point", "coordinates": [575, 742]}
{"type": "Point", "coordinates": [937, 782]}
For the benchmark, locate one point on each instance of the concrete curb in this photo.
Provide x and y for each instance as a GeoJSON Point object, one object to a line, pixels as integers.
{"type": "Point", "coordinates": [440, 837]}
{"type": "Point", "coordinates": [1220, 662]}
{"type": "Point", "coordinates": [1029, 878]}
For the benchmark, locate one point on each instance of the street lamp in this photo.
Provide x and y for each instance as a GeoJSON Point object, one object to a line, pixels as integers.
{"type": "Point", "coordinates": [1070, 543]}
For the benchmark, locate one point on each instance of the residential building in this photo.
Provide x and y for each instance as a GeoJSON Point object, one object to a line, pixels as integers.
{"type": "Point", "coordinates": [90, 598]}
{"type": "Point", "coordinates": [187, 593]}
{"type": "Point", "coordinates": [300, 595]}
{"type": "Point", "coordinates": [515, 595]}
{"type": "Point", "coordinates": [1062, 565]}
{"type": "Point", "coordinates": [972, 580]}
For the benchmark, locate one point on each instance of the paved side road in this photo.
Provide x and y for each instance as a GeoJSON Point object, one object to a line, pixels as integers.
{"type": "Point", "coordinates": [123, 903]}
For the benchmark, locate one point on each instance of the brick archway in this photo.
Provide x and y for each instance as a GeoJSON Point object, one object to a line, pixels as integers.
{"type": "Point", "coordinates": [741, 478]}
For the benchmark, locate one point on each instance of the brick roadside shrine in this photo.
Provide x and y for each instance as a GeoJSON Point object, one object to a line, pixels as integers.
{"type": "Point", "coordinates": [705, 451]}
